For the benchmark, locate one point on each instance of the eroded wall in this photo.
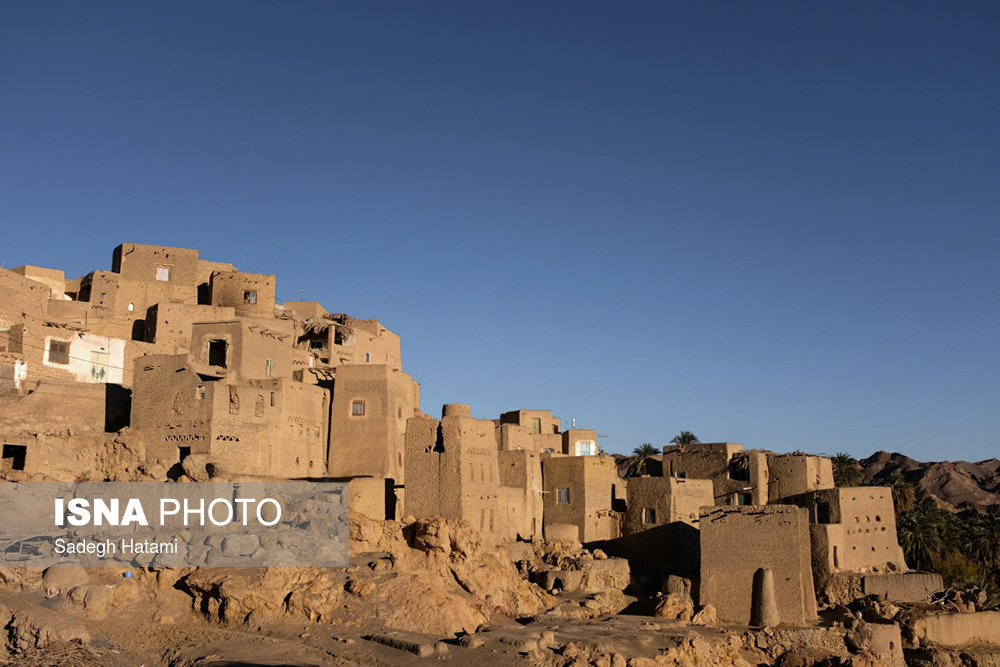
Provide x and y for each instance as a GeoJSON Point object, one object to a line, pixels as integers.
{"type": "Point", "coordinates": [738, 541]}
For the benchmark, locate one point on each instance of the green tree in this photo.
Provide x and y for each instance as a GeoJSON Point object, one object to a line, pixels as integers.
{"type": "Point", "coordinates": [846, 470]}
{"type": "Point", "coordinates": [984, 542]}
{"type": "Point", "coordinates": [637, 462]}
{"type": "Point", "coordinates": [685, 438]}
{"type": "Point", "coordinates": [904, 494]}
{"type": "Point", "coordinates": [922, 533]}
{"type": "Point", "coordinates": [958, 570]}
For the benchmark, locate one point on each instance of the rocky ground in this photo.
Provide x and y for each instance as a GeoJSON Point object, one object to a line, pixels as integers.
{"type": "Point", "coordinates": [416, 592]}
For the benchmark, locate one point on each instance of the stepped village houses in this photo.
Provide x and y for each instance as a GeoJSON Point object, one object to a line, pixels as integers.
{"type": "Point", "coordinates": [196, 365]}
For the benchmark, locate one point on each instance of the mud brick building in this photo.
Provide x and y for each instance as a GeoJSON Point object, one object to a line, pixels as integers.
{"type": "Point", "coordinates": [182, 366]}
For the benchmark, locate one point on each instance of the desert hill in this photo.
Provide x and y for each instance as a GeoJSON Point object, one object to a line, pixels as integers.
{"type": "Point", "coordinates": [956, 485]}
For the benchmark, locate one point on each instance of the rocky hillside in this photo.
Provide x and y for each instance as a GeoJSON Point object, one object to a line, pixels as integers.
{"type": "Point", "coordinates": [957, 485]}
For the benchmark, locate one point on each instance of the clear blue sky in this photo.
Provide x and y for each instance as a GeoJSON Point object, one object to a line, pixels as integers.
{"type": "Point", "coordinates": [768, 223]}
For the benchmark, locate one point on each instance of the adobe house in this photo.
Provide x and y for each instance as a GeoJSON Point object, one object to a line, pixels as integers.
{"type": "Point", "coordinates": [853, 530]}
{"type": "Point", "coordinates": [579, 442]}
{"type": "Point", "coordinates": [54, 279]}
{"type": "Point", "coordinates": [249, 294]}
{"type": "Point", "coordinates": [142, 276]}
{"type": "Point", "coordinates": [269, 427]}
{"type": "Point", "coordinates": [169, 325]}
{"type": "Point", "coordinates": [749, 552]}
{"type": "Point", "coordinates": [246, 348]}
{"type": "Point", "coordinates": [792, 474]}
{"type": "Point", "coordinates": [453, 471]}
{"type": "Point", "coordinates": [521, 491]}
{"type": "Point", "coordinates": [586, 492]}
{"type": "Point", "coordinates": [338, 339]}
{"type": "Point", "coordinates": [748, 477]}
{"type": "Point", "coordinates": [42, 339]}
{"type": "Point", "coordinates": [55, 428]}
{"type": "Point", "coordinates": [368, 421]}
{"type": "Point", "coordinates": [656, 501]}
{"type": "Point", "coordinates": [542, 427]}
{"type": "Point", "coordinates": [661, 522]}
{"type": "Point", "coordinates": [149, 263]}
{"type": "Point", "coordinates": [86, 357]}
{"type": "Point", "coordinates": [738, 477]}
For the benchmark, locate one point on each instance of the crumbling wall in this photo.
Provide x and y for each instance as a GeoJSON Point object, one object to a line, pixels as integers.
{"type": "Point", "coordinates": [427, 470]}
{"type": "Point", "coordinates": [737, 476]}
{"type": "Point", "coordinates": [172, 408]}
{"type": "Point", "coordinates": [75, 407]}
{"type": "Point", "coordinates": [959, 630]}
{"type": "Point", "coordinates": [456, 471]}
{"type": "Point", "coordinates": [903, 586]}
{"type": "Point", "coordinates": [737, 542]}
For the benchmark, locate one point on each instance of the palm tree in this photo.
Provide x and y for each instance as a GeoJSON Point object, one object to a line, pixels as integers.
{"type": "Point", "coordinates": [846, 470]}
{"type": "Point", "coordinates": [637, 462]}
{"type": "Point", "coordinates": [685, 438]}
{"type": "Point", "coordinates": [984, 542]}
{"type": "Point", "coordinates": [921, 532]}
{"type": "Point", "coordinates": [904, 495]}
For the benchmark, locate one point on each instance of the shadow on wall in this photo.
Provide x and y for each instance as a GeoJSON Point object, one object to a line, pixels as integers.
{"type": "Point", "coordinates": [673, 548]}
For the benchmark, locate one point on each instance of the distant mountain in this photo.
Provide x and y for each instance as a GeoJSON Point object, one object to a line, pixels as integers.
{"type": "Point", "coordinates": [957, 485]}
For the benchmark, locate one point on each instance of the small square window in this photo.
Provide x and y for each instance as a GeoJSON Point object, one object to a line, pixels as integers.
{"type": "Point", "coordinates": [250, 297]}
{"type": "Point", "coordinates": [648, 515]}
{"type": "Point", "coordinates": [58, 352]}
{"type": "Point", "coordinates": [163, 273]}
{"type": "Point", "coordinates": [562, 496]}
{"type": "Point", "coordinates": [357, 408]}
{"type": "Point", "coordinates": [744, 499]}
{"type": "Point", "coordinates": [315, 345]}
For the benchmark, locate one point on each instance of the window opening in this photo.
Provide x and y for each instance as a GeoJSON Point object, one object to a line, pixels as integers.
{"type": "Point", "coordinates": [217, 353]}
{"type": "Point", "coordinates": [13, 457]}
{"type": "Point", "coordinates": [58, 352]}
